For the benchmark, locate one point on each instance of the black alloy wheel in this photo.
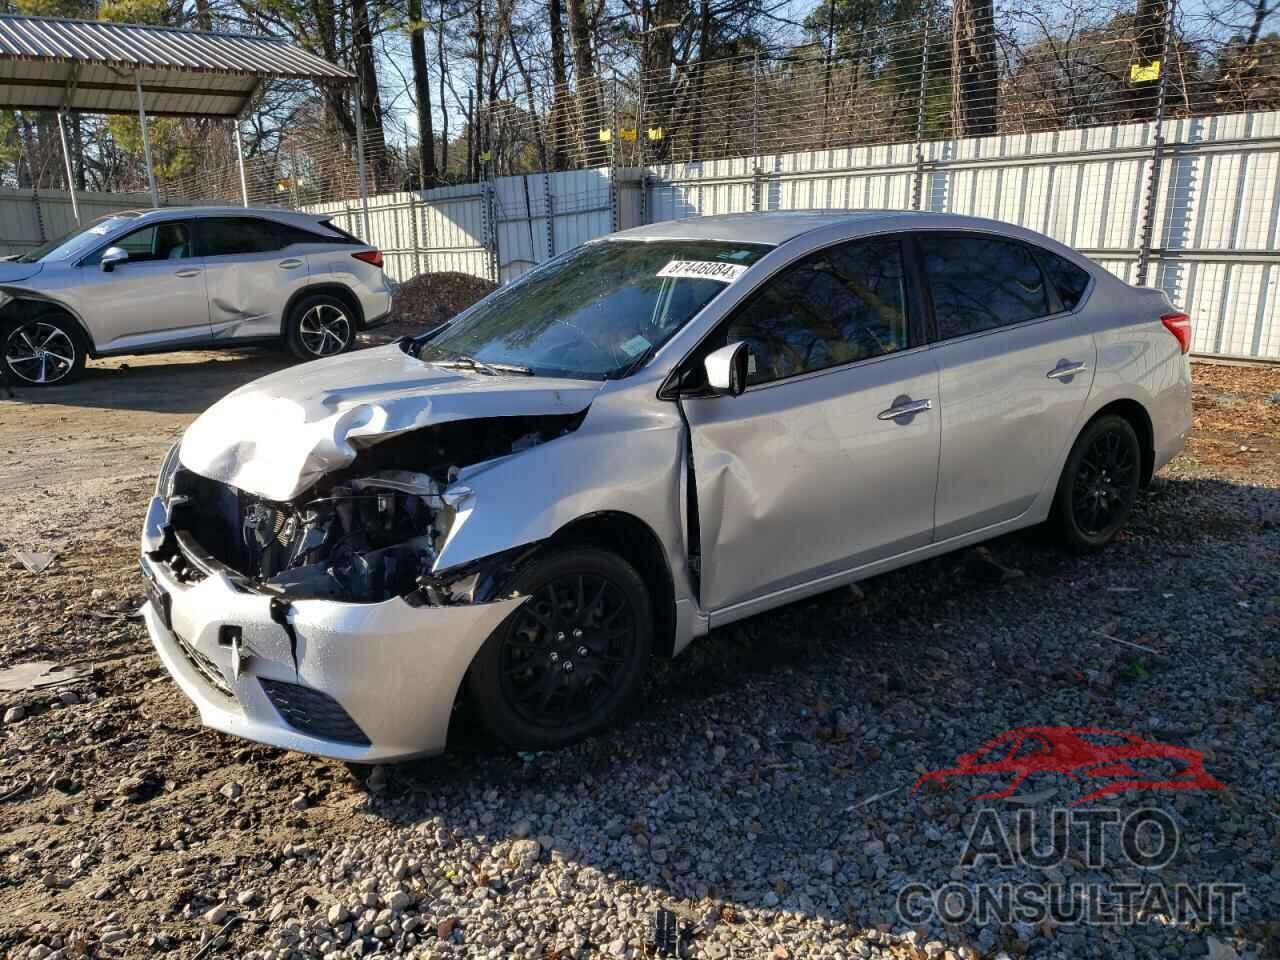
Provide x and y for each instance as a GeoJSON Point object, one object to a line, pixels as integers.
{"type": "Point", "coordinates": [571, 656]}
{"type": "Point", "coordinates": [1099, 484]}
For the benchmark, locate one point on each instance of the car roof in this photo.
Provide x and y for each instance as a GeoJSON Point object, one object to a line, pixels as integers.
{"type": "Point", "coordinates": [776, 227]}
{"type": "Point", "coordinates": [171, 213]}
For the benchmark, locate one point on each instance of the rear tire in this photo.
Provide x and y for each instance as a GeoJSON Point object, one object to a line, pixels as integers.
{"type": "Point", "coordinates": [318, 326]}
{"type": "Point", "coordinates": [43, 350]}
{"type": "Point", "coordinates": [569, 660]}
{"type": "Point", "coordinates": [1099, 484]}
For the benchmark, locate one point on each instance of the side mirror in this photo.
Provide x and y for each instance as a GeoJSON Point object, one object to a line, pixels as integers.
{"type": "Point", "coordinates": [111, 256]}
{"type": "Point", "coordinates": [727, 369]}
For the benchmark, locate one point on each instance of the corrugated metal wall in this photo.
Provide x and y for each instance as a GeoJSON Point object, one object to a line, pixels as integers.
{"type": "Point", "coordinates": [1216, 244]}
{"type": "Point", "coordinates": [1215, 249]}
{"type": "Point", "coordinates": [27, 221]}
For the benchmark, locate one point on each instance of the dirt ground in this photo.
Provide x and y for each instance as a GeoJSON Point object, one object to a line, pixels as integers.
{"type": "Point", "coordinates": [112, 803]}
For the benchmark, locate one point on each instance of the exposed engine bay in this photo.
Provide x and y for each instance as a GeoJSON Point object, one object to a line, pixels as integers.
{"type": "Point", "coordinates": [363, 534]}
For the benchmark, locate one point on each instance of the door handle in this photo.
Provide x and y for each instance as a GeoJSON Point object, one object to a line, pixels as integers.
{"type": "Point", "coordinates": [1066, 369]}
{"type": "Point", "coordinates": [905, 407]}
{"type": "Point", "coordinates": [290, 264]}
{"type": "Point", "coordinates": [188, 272]}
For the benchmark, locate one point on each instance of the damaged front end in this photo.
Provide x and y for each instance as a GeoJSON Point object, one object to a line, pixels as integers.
{"type": "Point", "coordinates": [366, 533]}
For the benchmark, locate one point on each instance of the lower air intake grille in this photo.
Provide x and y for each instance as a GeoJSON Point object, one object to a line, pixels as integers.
{"type": "Point", "coordinates": [313, 713]}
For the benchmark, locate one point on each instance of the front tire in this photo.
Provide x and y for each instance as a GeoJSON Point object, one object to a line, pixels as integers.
{"type": "Point", "coordinates": [1099, 484]}
{"type": "Point", "coordinates": [569, 660]}
{"type": "Point", "coordinates": [42, 351]}
{"type": "Point", "coordinates": [319, 326]}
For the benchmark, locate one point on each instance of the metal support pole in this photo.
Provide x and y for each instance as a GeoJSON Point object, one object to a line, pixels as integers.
{"type": "Point", "coordinates": [244, 184]}
{"type": "Point", "coordinates": [613, 160]}
{"type": "Point", "coordinates": [917, 188]}
{"type": "Point", "coordinates": [413, 231]}
{"type": "Point", "coordinates": [146, 142]}
{"type": "Point", "coordinates": [548, 201]}
{"type": "Point", "coordinates": [364, 185]}
{"type": "Point", "coordinates": [755, 132]}
{"type": "Point", "coordinates": [1157, 153]}
{"type": "Point", "coordinates": [66, 158]}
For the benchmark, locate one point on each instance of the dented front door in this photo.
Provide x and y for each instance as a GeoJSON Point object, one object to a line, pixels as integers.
{"type": "Point", "coordinates": [809, 477]}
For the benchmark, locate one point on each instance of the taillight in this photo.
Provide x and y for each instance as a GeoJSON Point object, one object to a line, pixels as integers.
{"type": "Point", "coordinates": [1179, 324]}
{"type": "Point", "coordinates": [375, 257]}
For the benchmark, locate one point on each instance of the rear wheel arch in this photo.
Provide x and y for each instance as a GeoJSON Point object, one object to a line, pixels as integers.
{"type": "Point", "coordinates": [635, 541]}
{"type": "Point", "coordinates": [1140, 420]}
{"type": "Point", "coordinates": [332, 289]}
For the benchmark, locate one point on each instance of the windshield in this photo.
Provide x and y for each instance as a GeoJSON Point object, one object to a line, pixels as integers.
{"type": "Point", "coordinates": [597, 312]}
{"type": "Point", "coordinates": [79, 241]}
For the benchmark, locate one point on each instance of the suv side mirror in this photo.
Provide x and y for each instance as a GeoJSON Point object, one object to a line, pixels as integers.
{"type": "Point", "coordinates": [111, 256]}
{"type": "Point", "coordinates": [727, 369]}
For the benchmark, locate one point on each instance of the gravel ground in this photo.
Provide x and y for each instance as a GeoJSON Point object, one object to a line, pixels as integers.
{"type": "Point", "coordinates": [761, 792]}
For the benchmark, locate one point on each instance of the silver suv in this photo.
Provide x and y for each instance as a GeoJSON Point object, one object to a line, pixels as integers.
{"type": "Point", "coordinates": [187, 278]}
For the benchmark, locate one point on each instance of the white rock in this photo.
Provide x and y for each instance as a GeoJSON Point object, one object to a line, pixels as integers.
{"type": "Point", "coordinates": [14, 714]}
{"type": "Point", "coordinates": [217, 915]}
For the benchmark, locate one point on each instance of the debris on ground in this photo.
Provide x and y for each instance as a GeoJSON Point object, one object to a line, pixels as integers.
{"type": "Point", "coordinates": [40, 673]}
{"type": "Point", "coordinates": [36, 562]}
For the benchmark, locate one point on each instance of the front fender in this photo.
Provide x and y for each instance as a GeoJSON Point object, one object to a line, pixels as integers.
{"type": "Point", "coordinates": [631, 465]}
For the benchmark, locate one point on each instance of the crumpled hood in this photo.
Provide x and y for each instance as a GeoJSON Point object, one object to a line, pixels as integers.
{"type": "Point", "coordinates": [277, 436]}
{"type": "Point", "coordinates": [13, 272]}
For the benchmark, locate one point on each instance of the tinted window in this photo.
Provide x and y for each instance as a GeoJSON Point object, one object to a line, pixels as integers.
{"type": "Point", "coordinates": [160, 241]}
{"type": "Point", "coordinates": [1068, 279]}
{"type": "Point", "coordinates": [979, 283]}
{"type": "Point", "coordinates": [221, 236]}
{"type": "Point", "coordinates": [842, 304]}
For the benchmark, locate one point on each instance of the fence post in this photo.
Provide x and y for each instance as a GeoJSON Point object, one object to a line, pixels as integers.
{"type": "Point", "coordinates": [917, 188]}
{"type": "Point", "coordinates": [364, 184]}
{"type": "Point", "coordinates": [413, 232]}
{"type": "Point", "coordinates": [755, 133]}
{"type": "Point", "coordinates": [548, 202]}
{"type": "Point", "coordinates": [614, 137]}
{"type": "Point", "coordinates": [1157, 153]}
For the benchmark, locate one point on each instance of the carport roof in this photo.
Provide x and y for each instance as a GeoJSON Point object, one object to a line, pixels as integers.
{"type": "Point", "coordinates": [89, 66]}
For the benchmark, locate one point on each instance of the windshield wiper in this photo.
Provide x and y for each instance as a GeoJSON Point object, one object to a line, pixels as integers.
{"type": "Point", "coordinates": [482, 366]}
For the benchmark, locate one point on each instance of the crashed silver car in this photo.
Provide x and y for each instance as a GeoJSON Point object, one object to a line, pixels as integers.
{"type": "Point", "coordinates": [653, 435]}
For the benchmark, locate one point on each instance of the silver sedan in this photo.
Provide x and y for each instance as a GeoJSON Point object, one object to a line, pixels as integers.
{"type": "Point", "coordinates": [653, 435]}
{"type": "Point", "coordinates": [186, 278]}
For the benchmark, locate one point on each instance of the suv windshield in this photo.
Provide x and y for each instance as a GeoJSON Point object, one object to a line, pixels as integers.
{"type": "Point", "coordinates": [78, 241]}
{"type": "Point", "coordinates": [597, 312]}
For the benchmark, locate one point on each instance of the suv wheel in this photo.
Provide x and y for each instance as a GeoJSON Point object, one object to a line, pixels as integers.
{"type": "Point", "coordinates": [319, 326]}
{"type": "Point", "coordinates": [42, 351]}
{"type": "Point", "coordinates": [570, 659]}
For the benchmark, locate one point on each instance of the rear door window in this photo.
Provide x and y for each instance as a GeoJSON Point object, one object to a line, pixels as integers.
{"type": "Point", "coordinates": [981, 283]}
{"type": "Point", "coordinates": [1068, 280]}
{"type": "Point", "coordinates": [227, 236]}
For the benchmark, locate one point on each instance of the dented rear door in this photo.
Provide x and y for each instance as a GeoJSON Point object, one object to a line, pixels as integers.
{"type": "Point", "coordinates": [251, 274]}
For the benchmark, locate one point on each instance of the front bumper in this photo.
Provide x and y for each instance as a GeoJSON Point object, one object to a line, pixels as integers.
{"type": "Point", "coordinates": [358, 682]}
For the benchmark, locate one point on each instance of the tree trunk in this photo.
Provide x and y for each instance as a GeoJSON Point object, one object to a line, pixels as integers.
{"type": "Point", "coordinates": [588, 82]}
{"type": "Point", "coordinates": [560, 91]}
{"type": "Point", "coordinates": [375, 144]}
{"type": "Point", "coordinates": [539, 142]}
{"type": "Point", "coordinates": [422, 91]}
{"type": "Point", "coordinates": [475, 139]}
{"type": "Point", "coordinates": [444, 110]}
{"type": "Point", "coordinates": [204, 16]}
{"type": "Point", "coordinates": [973, 67]}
